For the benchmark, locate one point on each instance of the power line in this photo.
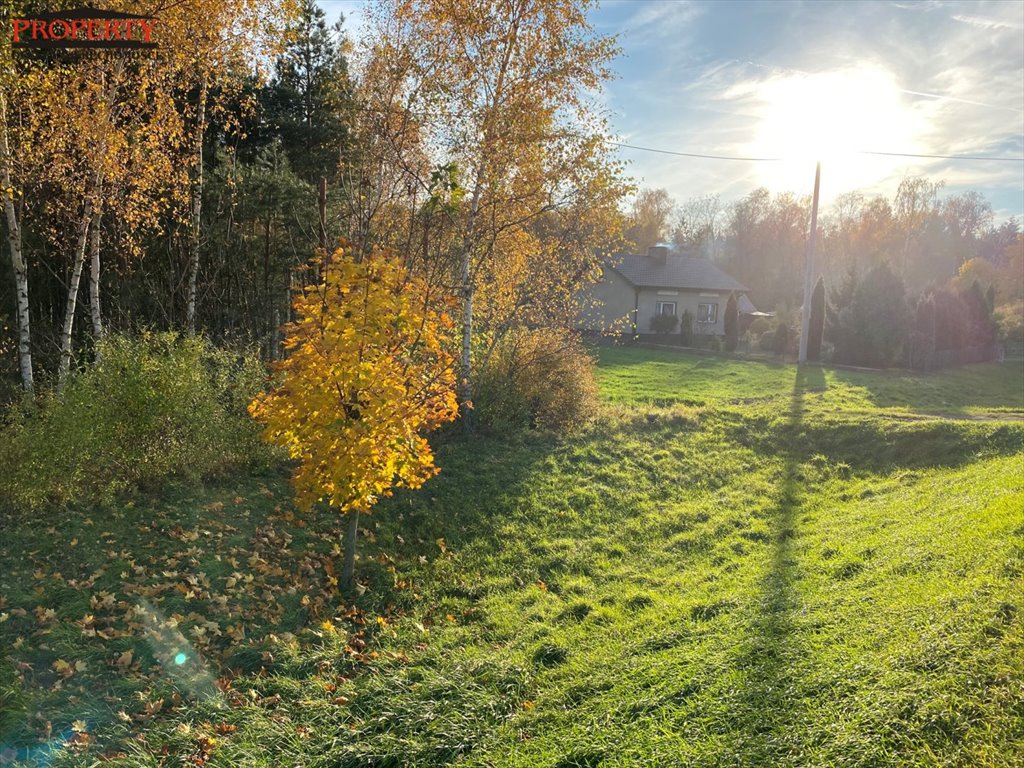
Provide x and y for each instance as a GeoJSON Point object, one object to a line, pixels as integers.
{"type": "Point", "coordinates": [947, 157]}
{"type": "Point", "coordinates": [694, 154]}
{"type": "Point", "coordinates": [778, 159]}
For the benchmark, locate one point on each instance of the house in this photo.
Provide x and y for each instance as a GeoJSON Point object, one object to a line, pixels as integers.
{"type": "Point", "coordinates": [634, 288]}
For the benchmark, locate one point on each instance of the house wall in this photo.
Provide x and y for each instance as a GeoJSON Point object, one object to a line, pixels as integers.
{"type": "Point", "coordinates": [608, 305]}
{"type": "Point", "coordinates": [686, 300]}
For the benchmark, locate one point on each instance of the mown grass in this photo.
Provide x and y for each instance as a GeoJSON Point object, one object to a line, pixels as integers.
{"type": "Point", "coordinates": [635, 375]}
{"type": "Point", "coordinates": [735, 565]}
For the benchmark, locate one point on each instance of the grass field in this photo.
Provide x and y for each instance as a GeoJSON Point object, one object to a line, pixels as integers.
{"type": "Point", "coordinates": [735, 565]}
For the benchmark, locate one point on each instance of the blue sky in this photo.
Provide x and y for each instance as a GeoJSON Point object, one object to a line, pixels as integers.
{"type": "Point", "coordinates": [808, 80]}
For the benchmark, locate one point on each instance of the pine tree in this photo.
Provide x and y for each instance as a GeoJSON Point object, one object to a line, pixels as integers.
{"type": "Point", "coordinates": [309, 95]}
{"type": "Point", "coordinates": [817, 321]}
{"type": "Point", "coordinates": [922, 336]}
{"type": "Point", "coordinates": [732, 323]}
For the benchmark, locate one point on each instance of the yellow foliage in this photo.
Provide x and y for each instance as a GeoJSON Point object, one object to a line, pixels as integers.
{"type": "Point", "coordinates": [368, 373]}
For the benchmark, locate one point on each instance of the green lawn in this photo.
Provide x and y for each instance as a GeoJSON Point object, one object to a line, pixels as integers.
{"type": "Point", "coordinates": [632, 375]}
{"type": "Point", "coordinates": [736, 565]}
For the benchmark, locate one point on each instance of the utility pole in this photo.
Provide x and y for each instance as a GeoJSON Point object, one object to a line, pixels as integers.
{"type": "Point", "coordinates": [805, 316]}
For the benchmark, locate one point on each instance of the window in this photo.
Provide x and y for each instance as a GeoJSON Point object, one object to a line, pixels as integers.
{"type": "Point", "coordinates": [666, 308]}
{"type": "Point", "coordinates": [707, 313]}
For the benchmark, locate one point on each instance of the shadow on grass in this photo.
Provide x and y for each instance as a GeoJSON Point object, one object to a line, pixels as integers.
{"type": "Point", "coordinates": [626, 356]}
{"type": "Point", "coordinates": [767, 699]}
{"type": "Point", "coordinates": [875, 442]}
{"type": "Point", "coordinates": [948, 392]}
{"type": "Point", "coordinates": [449, 513]}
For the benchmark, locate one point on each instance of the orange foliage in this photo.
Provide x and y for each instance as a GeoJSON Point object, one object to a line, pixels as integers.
{"type": "Point", "coordinates": [367, 375]}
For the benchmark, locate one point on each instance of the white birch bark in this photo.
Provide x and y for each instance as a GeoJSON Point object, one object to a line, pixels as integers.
{"type": "Point", "coordinates": [17, 256]}
{"type": "Point", "coordinates": [70, 305]}
{"type": "Point", "coordinates": [197, 210]}
{"type": "Point", "coordinates": [94, 278]}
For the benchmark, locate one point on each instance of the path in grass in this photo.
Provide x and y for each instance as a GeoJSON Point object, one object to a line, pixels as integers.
{"type": "Point", "coordinates": [760, 569]}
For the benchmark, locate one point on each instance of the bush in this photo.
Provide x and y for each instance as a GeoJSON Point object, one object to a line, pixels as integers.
{"type": "Point", "coordinates": [1010, 320]}
{"type": "Point", "coordinates": [780, 344]}
{"type": "Point", "coordinates": [536, 379]}
{"type": "Point", "coordinates": [156, 406]}
{"type": "Point", "coordinates": [758, 327]}
{"type": "Point", "coordinates": [664, 323]}
{"type": "Point", "coordinates": [766, 341]}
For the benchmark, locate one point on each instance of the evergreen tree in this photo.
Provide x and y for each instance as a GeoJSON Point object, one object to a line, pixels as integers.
{"type": "Point", "coordinates": [922, 335]}
{"type": "Point", "coordinates": [310, 94]}
{"type": "Point", "coordinates": [732, 323]}
{"type": "Point", "coordinates": [817, 322]}
{"type": "Point", "coordinates": [686, 329]}
{"type": "Point", "coordinates": [950, 321]}
{"type": "Point", "coordinates": [869, 324]}
{"type": "Point", "coordinates": [981, 330]}
{"type": "Point", "coordinates": [840, 299]}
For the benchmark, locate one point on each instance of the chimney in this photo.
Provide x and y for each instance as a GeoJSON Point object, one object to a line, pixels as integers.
{"type": "Point", "coordinates": [657, 252]}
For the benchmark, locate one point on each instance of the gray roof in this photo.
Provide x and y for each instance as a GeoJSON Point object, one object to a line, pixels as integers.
{"type": "Point", "coordinates": [745, 305]}
{"type": "Point", "coordinates": [674, 272]}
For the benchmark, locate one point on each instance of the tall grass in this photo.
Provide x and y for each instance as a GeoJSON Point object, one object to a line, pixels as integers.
{"type": "Point", "coordinates": [155, 406]}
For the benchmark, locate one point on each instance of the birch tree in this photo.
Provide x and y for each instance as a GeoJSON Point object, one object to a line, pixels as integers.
{"type": "Point", "coordinates": [502, 91]}
{"type": "Point", "coordinates": [215, 44]}
{"type": "Point", "coordinates": [9, 193]}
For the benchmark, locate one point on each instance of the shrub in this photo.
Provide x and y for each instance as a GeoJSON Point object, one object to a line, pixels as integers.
{"type": "Point", "coordinates": [781, 341]}
{"type": "Point", "coordinates": [664, 323]}
{"type": "Point", "coordinates": [1010, 319]}
{"type": "Point", "coordinates": [156, 406]}
{"type": "Point", "coordinates": [536, 379]}
{"type": "Point", "coordinates": [759, 326]}
{"type": "Point", "coordinates": [766, 341]}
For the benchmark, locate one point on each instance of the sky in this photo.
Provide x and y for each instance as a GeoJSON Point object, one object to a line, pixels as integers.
{"type": "Point", "coordinates": [807, 81]}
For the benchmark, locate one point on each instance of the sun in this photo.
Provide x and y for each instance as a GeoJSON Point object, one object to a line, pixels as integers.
{"type": "Point", "coordinates": [832, 116]}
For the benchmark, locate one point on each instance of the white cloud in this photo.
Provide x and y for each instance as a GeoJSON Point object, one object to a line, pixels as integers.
{"type": "Point", "coordinates": [936, 85]}
{"type": "Point", "coordinates": [977, 21]}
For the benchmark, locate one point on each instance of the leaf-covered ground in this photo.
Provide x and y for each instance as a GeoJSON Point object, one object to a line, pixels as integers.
{"type": "Point", "coordinates": [735, 565]}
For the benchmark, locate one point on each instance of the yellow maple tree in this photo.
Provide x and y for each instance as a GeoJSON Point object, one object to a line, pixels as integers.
{"type": "Point", "coordinates": [367, 374]}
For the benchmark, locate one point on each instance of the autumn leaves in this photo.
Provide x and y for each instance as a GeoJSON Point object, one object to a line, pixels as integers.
{"type": "Point", "coordinates": [369, 371]}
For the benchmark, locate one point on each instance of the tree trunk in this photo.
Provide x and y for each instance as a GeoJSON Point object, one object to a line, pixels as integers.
{"type": "Point", "coordinates": [466, 356]}
{"type": "Point", "coordinates": [322, 210]}
{"type": "Point", "coordinates": [466, 361]}
{"type": "Point", "coordinates": [72, 300]}
{"type": "Point", "coordinates": [348, 569]}
{"type": "Point", "coordinates": [17, 257]}
{"type": "Point", "coordinates": [94, 279]}
{"type": "Point", "coordinates": [197, 210]}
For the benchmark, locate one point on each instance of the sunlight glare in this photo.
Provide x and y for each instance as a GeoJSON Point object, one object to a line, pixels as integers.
{"type": "Point", "coordinates": [829, 116]}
